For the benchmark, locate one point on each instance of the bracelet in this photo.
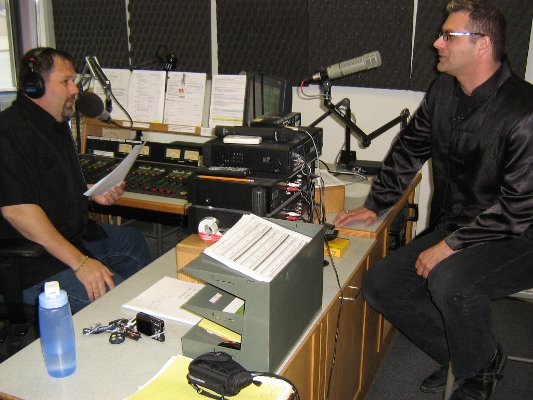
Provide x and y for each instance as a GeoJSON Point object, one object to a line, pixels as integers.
{"type": "Point", "coordinates": [76, 270]}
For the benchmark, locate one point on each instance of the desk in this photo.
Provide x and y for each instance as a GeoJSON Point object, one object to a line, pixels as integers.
{"type": "Point", "coordinates": [364, 335]}
{"type": "Point", "coordinates": [110, 372]}
{"type": "Point", "coordinates": [153, 203]}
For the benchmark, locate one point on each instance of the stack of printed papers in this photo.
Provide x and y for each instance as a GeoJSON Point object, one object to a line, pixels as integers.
{"type": "Point", "coordinates": [257, 247]}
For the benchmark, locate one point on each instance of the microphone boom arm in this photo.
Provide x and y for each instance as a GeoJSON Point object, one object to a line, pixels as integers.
{"type": "Point", "coordinates": [351, 127]}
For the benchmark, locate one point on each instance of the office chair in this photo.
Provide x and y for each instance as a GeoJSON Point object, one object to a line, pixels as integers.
{"type": "Point", "coordinates": [526, 295]}
{"type": "Point", "coordinates": [11, 253]}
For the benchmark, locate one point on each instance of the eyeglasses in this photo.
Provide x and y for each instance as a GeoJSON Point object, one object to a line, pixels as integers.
{"type": "Point", "coordinates": [447, 36]}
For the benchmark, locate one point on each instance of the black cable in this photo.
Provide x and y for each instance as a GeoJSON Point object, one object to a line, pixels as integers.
{"type": "Point", "coordinates": [334, 356]}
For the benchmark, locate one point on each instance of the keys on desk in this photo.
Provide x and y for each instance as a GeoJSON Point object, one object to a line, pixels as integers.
{"type": "Point", "coordinates": [120, 329]}
{"type": "Point", "coordinates": [117, 338]}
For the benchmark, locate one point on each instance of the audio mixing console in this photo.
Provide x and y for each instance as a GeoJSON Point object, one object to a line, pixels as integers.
{"type": "Point", "coordinates": [152, 178]}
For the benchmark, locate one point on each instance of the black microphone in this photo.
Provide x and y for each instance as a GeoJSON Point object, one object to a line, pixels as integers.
{"type": "Point", "coordinates": [97, 73]}
{"type": "Point", "coordinates": [278, 133]}
{"type": "Point", "coordinates": [348, 67]}
{"type": "Point", "coordinates": [90, 105]}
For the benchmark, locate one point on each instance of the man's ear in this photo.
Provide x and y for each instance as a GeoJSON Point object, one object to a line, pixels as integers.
{"type": "Point", "coordinates": [484, 45]}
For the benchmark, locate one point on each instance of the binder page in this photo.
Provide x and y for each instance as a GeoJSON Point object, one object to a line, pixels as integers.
{"type": "Point", "coordinates": [184, 102]}
{"type": "Point", "coordinates": [117, 175]}
{"type": "Point", "coordinates": [147, 96]}
{"type": "Point", "coordinates": [164, 300]}
{"type": "Point", "coordinates": [257, 247]}
{"type": "Point", "coordinates": [120, 80]}
{"type": "Point", "coordinates": [227, 100]}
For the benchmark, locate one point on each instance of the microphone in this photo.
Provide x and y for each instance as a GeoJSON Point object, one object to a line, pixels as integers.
{"type": "Point", "coordinates": [348, 67]}
{"type": "Point", "coordinates": [97, 72]}
{"type": "Point", "coordinates": [278, 133]}
{"type": "Point", "coordinates": [90, 105]}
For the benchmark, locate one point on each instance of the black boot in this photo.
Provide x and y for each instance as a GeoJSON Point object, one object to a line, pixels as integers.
{"type": "Point", "coordinates": [482, 385]}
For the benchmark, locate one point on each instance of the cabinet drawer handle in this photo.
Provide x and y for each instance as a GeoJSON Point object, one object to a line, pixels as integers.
{"type": "Point", "coordinates": [347, 298]}
{"type": "Point", "coordinates": [351, 298]}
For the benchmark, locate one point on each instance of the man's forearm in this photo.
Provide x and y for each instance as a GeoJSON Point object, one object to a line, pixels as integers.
{"type": "Point", "coordinates": [32, 222]}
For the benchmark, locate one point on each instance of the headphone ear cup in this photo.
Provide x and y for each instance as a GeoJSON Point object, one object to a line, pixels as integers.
{"type": "Point", "coordinates": [32, 84]}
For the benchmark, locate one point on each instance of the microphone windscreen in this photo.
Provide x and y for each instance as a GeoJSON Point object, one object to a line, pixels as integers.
{"type": "Point", "coordinates": [89, 104]}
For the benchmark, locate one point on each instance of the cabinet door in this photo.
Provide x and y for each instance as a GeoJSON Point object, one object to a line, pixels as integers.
{"type": "Point", "coordinates": [346, 378]}
{"type": "Point", "coordinates": [373, 329]}
{"type": "Point", "coordinates": [303, 369]}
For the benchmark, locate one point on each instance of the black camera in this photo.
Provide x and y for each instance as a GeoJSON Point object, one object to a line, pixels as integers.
{"type": "Point", "coordinates": [151, 326]}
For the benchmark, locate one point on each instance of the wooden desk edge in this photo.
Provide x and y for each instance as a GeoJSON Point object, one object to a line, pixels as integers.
{"type": "Point", "coordinates": [152, 205]}
{"type": "Point", "coordinates": [405, 197]}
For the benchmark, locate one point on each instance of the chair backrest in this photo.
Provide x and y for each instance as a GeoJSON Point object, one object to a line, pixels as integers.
{"type": "Point", "coordinates": [11, 251]}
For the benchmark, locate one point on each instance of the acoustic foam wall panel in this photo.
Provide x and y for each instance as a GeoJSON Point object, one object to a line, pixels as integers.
{"type": "Point", "coordinates": [341, 30]}
{"type": "Point", "coordinates": [432, 13]}
{"type": "Point", "coordinates": [159, 28]}
{"type": "Point", "coordinates": [92, 27]}
{"type": "Point", "coordinates": [263, 35]}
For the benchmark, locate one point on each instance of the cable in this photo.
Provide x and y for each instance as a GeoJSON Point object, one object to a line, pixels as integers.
{"type": "Point", "coordinates": [122, 108]}
{"type": "Point", "coordinates": [334, 356]}
{"type": "Point", "coordinates": [307, 96]}
{"type": "Point", "coordinates": [272, 375]}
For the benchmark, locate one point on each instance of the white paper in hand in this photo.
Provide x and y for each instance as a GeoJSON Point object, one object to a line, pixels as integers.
{"type": "Point", "coordinates": [117, 175]}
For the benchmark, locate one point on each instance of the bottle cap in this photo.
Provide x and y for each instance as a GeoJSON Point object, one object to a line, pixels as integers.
{"type": "Point", "coordinates": [52, 297]}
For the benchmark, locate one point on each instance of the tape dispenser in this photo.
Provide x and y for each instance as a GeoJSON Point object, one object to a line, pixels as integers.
{"type": "Point", "coordinates": [208, 230]}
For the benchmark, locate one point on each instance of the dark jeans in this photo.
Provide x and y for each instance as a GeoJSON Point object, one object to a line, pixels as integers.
{"type": "Point", "coordinates": [448, 315]}
{"type": "Point", "coordinates": [124, 251]}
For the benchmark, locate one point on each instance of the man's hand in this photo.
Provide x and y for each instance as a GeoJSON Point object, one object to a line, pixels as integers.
{"type": "Point", "coordinates": [431, 257]}
{"type": "Point", "coordinates": [95, 276]}
{"type": "Point", "coordinates": [33, 223]}
{"type": "Point", "coordinates": [112, 195]}
{"type": "Point", "coordinates": [357, 214]}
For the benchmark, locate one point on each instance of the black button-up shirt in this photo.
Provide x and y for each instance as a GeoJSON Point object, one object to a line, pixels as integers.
{"type": "Point", "coordinates": [39, 165]}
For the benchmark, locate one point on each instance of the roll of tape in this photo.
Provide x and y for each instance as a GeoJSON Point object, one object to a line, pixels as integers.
{"type": "Point", "coordinates": [208, 226]}
{"type": "Point", "coordinates": [208, 229]}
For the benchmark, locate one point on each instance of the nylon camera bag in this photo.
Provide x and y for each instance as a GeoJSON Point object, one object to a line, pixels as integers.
{"type": "Point", "coordinates": [218, 372]}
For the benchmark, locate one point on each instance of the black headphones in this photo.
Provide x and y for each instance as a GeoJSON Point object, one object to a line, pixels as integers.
{"type": "Point", "coordinates": [32, 82]}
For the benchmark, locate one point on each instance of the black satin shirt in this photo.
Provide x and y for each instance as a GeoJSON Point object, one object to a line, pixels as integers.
{"type": "Point", "coordinates": [481, 152]}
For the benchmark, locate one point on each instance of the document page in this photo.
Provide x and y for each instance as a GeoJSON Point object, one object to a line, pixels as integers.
{"type": "Point", "coordinates": [184, 103]}
{"type": "Point", "coordinates": [147, 95]}
{"type": "Point", "coordinates": [257, 247]}
{"type": "Point", "coordinates": [165, 298]}
{"type": "Point", "coordinates": [120, 81]}
{"type": "Point", "coordinates": [117, 175]}
{"type": "Point", "coordinates": [171, 383]}
{"type": "Point", "coordinates": [227, 100]}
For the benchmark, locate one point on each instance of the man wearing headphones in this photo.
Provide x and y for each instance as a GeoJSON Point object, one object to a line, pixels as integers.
{"type": "Point", "coordinates": [42, 186]}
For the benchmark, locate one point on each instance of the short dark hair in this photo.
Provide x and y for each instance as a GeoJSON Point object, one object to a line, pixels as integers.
{"type": "Point", "coordinates": [486, 18]}
{"type": "Point", "coordinates": [42, 61]}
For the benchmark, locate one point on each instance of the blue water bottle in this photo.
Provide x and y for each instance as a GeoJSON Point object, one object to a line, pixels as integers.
{"type": "Point", "coordinates": [57, 331]}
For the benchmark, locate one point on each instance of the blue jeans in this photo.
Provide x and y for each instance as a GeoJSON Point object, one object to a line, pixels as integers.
{"type": "Point", "coordinates": [448, 315]}
{"type": "Point", "coordinates": [124, 251]}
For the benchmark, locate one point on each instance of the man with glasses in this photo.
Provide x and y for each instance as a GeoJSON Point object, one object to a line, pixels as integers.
{"type": "Point", "coordinates": [476, 126]}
